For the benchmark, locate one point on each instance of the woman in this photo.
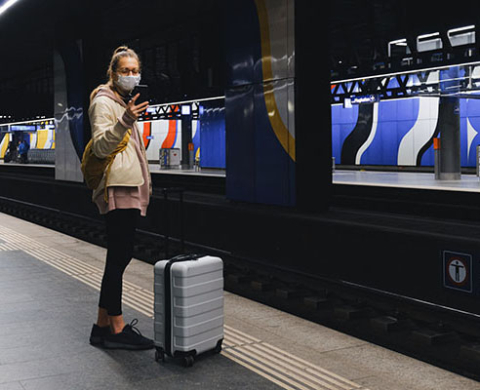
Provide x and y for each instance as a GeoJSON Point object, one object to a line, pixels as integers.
{"type": "Point", "coordinates": [123, 193]}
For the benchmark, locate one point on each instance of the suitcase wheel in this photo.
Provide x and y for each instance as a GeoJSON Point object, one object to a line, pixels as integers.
{"type": "Point", "coordinates": [218, 347]}
{"type": "Point", "coordinates": [188, 361]}
{"type": "Point", "coordinates": [160, 355]}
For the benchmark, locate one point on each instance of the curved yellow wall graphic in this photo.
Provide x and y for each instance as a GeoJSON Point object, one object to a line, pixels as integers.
{"type": "Point", "coordinates": [4, 145]}
{"type": "Point", "coordinates": [279, 128]}
{"type": "Point", "coordinates": [42, 137]}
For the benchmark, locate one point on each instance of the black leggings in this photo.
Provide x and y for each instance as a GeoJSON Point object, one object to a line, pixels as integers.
{"type": "Point", "coordinates": [121, 226]}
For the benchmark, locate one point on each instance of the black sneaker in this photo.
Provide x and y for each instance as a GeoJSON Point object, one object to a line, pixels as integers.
{"type": "Point", "coordinates": [129, 338]}
{"type": "Point", "coordinates": [98, 334]}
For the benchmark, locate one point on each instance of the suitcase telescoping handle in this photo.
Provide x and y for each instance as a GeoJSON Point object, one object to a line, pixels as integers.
{"type": "Point", "coordinates": [166, 191]}
{"type": "Point", "coordinates": [168, 296]}
{"type": "Point", "coordinates": [183, 257]}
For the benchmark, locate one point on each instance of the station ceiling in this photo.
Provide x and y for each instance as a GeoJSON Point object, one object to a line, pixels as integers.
{"type": "Point", "coordinates": [358, 30]}
{"type": "Point", "coordinates": [28, 29]}
{"type": "Point", "coordinates": [361, 29]}
{"type": "Point", "coordinates": [31, 29]}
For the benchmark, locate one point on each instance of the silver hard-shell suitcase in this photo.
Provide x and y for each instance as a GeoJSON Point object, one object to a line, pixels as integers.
{"type": "Point", "coordinates": [189, 314]}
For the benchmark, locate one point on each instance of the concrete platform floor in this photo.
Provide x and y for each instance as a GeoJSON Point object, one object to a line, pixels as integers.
{"type": "Point", "coordinates": [415, 180]}
{"type": "Point", "coordinates": [154, 169]}
{"type": "Point", "coordinates": [48, 299]}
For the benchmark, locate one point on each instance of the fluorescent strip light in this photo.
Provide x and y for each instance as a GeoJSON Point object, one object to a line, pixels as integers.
{"type": "Point", "coordinates": [24, 122]}
{"type": "Point", "coordinates": [399, 42]}
{"type": "Point", "coordinates": [188, 101]}
{"type": "Point", "coordinates": [460, 29]}
{"type": "Point", "coordinates": [7, 5]}
{"type": "Point", "coordinates": [425, 36]}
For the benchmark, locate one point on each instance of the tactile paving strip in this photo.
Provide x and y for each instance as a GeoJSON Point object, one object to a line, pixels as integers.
{"type": "Point", "coordinates": [272, 363]}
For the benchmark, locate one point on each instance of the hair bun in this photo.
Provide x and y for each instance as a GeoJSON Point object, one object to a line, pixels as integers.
{"type": "Point", "coordinates": [120, 49]}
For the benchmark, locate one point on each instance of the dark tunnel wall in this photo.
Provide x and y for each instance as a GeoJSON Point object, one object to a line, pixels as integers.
{"type": "Point", "coordinates": [180, 44]}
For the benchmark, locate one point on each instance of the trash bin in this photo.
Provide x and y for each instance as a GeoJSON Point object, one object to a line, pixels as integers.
{"type": "Point", "coordinates": [170, 158]}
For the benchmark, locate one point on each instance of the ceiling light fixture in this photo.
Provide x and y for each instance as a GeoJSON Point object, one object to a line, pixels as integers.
{"type": "Point", "coordinates": [6, 5]}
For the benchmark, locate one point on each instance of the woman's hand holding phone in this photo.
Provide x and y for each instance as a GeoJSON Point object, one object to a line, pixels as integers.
{"type": "Point", "coordinates": [134, 111]}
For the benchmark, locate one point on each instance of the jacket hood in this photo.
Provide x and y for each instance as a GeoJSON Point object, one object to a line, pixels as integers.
{"type": "Point", "coordinates": [107, 91]}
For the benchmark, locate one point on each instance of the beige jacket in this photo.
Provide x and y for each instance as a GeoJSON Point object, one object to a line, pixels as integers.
{"type": "Point", "coordinates": [108, 129]}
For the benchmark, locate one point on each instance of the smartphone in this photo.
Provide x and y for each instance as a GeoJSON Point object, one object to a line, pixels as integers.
{"type": "Point", "coordinates": [144, 94]}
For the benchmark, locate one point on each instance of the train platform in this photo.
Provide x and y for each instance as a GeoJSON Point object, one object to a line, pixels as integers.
{"type": "Point", "coordinates": [49, 285]}
{"type": "Point", "coordinates": [411, 180]}
{"type": "Point", "coordinates": [154, 169]}
{"type": "Point", "coordinates": [370, 178]}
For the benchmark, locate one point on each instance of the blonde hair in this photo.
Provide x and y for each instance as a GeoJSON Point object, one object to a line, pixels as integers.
{"type": "Point", "coordinates": [120, 52]}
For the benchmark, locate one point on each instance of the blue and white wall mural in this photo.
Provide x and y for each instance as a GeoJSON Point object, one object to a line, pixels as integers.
{"type": "Point", "coordinates": [399, 132]}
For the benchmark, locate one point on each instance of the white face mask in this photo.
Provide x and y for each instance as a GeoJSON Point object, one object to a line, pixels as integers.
{"type": "Point", "coordinates": [127, 83]}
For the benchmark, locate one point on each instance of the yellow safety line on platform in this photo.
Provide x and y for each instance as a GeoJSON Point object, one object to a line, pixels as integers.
{"type": "Point", "coordinates": [280, 367]}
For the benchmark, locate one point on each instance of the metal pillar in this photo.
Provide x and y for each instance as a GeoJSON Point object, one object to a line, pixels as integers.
{"type": "Point", "coordinates": [312, 106]}
{"type": "Point", "coordinates": [186, 137]}
{"type": "Point", "coordinates": [436, 151]}
{"type": "Point", "coordinates": [449, 164]}
{"type": "Point", "coordinates": [477, 161]}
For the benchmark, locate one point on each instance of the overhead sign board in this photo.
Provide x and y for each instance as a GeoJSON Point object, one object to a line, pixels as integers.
{"type": "Point", "coordinates": [365, 99]}
{"type": "Point", "coordinates": [23, 128]}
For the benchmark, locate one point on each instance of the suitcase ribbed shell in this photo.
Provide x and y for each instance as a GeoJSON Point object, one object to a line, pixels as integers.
{"type": "Point", "coordinates": [197, 316]}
